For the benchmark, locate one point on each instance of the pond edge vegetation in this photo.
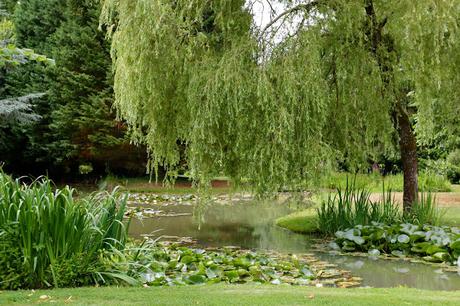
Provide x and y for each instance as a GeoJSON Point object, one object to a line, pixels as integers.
{"type": "Point", "coordinates": [51, 240]}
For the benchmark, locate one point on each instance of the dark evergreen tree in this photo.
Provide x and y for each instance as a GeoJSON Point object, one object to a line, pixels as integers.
{"type": "Point", "coordinates": [77, 131]}
{"type": "Point", "coordinates": [83, 127]}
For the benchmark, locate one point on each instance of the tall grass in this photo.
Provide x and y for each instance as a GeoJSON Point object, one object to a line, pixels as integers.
{"type": "Point", "coordinates": [424, 211]}
{"type": "Point", "coordinates": [352, 206]}
{"type": "Point", "coordinates": [49, 239]}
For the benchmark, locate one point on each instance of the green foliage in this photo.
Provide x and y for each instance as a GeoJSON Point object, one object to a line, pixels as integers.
{"type": "Point", "coordinates": [164, 265]}
{"type": "Point", "coordinates": [77, 125]}
{"type": "Point", "coordinates": [280, 113]}
{"type": "Point", "coordinates": [453, 162]}
{"type": "Point", "coordinates": [18, 109]}
{"type": "Point", "coordinates": [424, 211]}
{"type": "Point", "coordinates": [434, 244]}
{"type": "Point", "coordinates": [352, 206]}
{"type": "Point", "coordinates": [83, 126]}
{"type": "Point", "coordinates": [49, 239]}
{"type": "Point", "coordinates": [428, 181]}
{"type": "Point", "coordinates": [10, 56]}
{"type": "Point", "coordinates": [8, 6]}
{"type": "Point", "coordinates": [36, 21]}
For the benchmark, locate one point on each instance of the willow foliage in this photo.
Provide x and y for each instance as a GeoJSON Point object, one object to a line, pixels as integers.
{"type": "Point", "coordinates": [197, 72]}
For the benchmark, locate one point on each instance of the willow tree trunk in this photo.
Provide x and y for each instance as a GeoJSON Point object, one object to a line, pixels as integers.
{"type": "Point", "coordinates": [407, 140]}
{"type": "Point", "coordinates": [408, 149]}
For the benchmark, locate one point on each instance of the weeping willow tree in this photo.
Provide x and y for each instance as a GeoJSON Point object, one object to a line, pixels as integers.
{"type": "Point", "coordinates": [348, 78]}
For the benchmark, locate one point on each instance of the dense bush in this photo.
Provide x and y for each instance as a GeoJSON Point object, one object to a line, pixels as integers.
{"type": "Point", "coordinates": [50, 239]}
{"type": "Point", "coordinates": [453, 170]}
{"type": "Point", "coordinates": [434, 244]}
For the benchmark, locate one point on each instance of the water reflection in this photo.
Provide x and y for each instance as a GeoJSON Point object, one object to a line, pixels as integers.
{"type": "Point", "coordinates": [392, 273]}
{"type": "Point", "coordinates": [251, 225]}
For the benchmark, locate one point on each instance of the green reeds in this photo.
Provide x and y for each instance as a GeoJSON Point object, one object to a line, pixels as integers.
{"type": "Point", "coordinates": [53, 234]}
{"type": "Point", "coordinates": [424, 211]}
{"type": "Point", "coordinates": [352, 206]}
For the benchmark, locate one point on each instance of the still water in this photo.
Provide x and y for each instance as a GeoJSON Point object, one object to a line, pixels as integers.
{"type": "Point", "coordinates": [251, 225]}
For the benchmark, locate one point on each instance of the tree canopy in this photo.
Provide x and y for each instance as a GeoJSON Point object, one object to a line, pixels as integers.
{"type": "Point", "coordinates": [279, 112]}
{"type": "Point", "coordinates": [73, 126]}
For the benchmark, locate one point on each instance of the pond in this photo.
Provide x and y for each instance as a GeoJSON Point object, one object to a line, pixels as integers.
{"type": "Point", "coordinates": [250, 224]}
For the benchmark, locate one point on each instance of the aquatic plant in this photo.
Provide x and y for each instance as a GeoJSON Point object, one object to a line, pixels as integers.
{"type": "Point", "coordinates": [49, 239]}
{"type": "Point", "coordinates": [432, 243]}
{"type": "Point", "coordinates": [351, 206]}
{"type": "Point", "coordinates": [169, 265]}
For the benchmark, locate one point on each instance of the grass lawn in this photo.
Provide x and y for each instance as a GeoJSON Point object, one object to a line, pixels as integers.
{"type": "Point", "coordinates": [300, 222]}
{"type": "Point", "coordinates": [181, 186]}
{"type": "Point", "coordinates": [451, 216]}
{"type": "Point", "coordinates": [374, 181]}
{"type": "Point", "coordinates": [230, 295]}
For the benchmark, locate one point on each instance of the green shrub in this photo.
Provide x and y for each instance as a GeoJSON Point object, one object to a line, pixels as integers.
{"type": "Point", "coordinates": [453, 170]}
{"type": "Point", "coordinates": [49, 239]}
{"type": "Point", "coordinates": [432, 182]}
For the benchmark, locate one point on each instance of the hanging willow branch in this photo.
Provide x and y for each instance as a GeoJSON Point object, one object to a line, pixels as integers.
{"type": "Point", "coordinates": [306, 7]}
{"type": "Point", "coordinates": [187, 72]}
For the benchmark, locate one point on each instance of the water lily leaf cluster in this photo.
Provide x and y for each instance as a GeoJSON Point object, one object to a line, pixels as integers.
{"type": "Point", "coordinates": [179, 265]}
{"type": "Point", "coordinates": [432, 243]}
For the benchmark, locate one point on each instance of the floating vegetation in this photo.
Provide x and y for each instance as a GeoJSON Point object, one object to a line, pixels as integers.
{"type": "Point", "coordinates": [167, 264]}
{"type": "Point", "coordinates": [146, 205]}
{"type": "Point", "coordinates": [430, 243]}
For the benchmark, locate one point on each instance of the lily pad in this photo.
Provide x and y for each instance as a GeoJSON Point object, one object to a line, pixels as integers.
{"type": "Point", "coordinates": [403, 238]}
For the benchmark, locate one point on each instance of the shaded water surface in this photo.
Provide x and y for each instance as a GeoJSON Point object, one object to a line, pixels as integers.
{"type": "Point", "coordinates": [251, 225]}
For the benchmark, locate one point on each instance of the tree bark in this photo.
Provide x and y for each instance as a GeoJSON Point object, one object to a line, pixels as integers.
{"type": "Point", "coordinates": [408, 148]}
{"type": "Point", "coordinates": [407, 140]}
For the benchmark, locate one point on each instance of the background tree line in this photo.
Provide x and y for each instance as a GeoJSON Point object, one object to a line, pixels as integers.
{"type": "Point", "coordinates": [64, 123]}
{"type": "Point", "coordinates": [74, 132]}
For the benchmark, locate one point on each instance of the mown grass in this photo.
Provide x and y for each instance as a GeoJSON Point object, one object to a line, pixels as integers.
{"type": "Point", "coordinates": [305, 221]}
{"type": "Point", "coordinates": [450, 216]}
{"type": "Point", "coordinates": [455, 188]}
{"type": "Point", "coordinates": [373, 182]}
{"type": "Point", "coordinates": [231, 295]}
